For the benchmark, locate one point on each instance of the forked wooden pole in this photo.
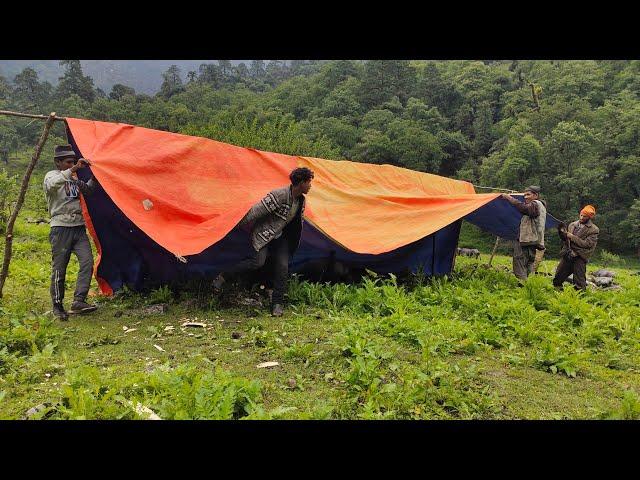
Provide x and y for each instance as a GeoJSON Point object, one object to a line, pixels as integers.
{"type": "Point", "coordinates": [23, 190]}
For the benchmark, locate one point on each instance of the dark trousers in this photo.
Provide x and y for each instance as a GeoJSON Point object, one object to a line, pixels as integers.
{"type": "Point", "coordinates": [524, 258]}
{"type": "Point", "coordinates": [576, 266]}
{"type": "Point", "coordinates": [64, 241]}
{"type": "Point", "coordinates": [279, 250]}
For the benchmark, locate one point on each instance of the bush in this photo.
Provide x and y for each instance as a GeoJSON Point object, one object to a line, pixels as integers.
{"type": "Point", "coordinates": [609, 259]}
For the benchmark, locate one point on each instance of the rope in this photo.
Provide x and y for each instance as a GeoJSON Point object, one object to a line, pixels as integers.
{"type": "Point", "coordinates": [495, 188]}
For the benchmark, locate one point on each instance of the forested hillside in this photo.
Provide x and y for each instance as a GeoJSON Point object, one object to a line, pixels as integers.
{"type": "Point", "coordinates": [572, 127]}
{"type": "Point", "coordinates": [143, 75]}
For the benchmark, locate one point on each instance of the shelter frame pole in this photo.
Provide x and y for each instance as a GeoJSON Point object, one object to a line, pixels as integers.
{"type": "Point", "coordinates": [30, 115]}
{"type": "Point", "coordinates": [495, 248]}
{"type": "Point", "coordinates": [23, 190]}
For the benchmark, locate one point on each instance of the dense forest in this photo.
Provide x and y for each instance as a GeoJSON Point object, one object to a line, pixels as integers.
{"type": "Point", "coordinates": [572, 127]}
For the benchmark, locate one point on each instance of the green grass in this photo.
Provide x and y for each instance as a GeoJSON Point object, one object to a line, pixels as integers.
{"type": "Point", "coordinates": [474, 346]}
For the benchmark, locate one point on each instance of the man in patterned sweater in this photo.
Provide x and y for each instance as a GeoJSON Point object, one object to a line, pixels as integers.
{"type": "Point", "coordinates": [277, 227]}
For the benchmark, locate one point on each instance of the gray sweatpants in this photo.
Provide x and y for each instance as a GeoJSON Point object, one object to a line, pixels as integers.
{"type": "Point", "coordinates": [64, 241]}
{"type": "Point", "coordinates": [524, 258]}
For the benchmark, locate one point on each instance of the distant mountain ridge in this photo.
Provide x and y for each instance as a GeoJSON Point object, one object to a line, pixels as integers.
{"type": "Point", "coordinates": [145, 76]}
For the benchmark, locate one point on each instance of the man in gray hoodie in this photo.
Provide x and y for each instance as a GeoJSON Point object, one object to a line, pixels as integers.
{"type": "Point", "coordinates": [62, 189]}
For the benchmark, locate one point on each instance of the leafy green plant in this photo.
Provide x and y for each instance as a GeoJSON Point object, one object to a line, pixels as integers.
{"type": "Point", "coordinates": [161, 294]}
{"type": "Point", "coordinates": [299, 351]}
{"type": "Point", "coordinates": [28, 335]}
{"type": "Point", "coordinates": [184, 392]}
{"type": "Point", "coordinates": [553, 359]}
{"type": "Point", "coordinates": [609, 259]}
{"type": "Point", "coordinates": [188, 393]}
{"type": "Point", "coordinates": [629, 408]}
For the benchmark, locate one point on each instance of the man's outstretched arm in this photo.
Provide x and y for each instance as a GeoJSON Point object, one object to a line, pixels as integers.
{"type": "Point", "coordinates": [530, 209]}
{"type": "Point", "coordinates": [261, 209]}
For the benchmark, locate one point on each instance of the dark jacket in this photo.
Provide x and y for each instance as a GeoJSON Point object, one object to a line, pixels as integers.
{"type": "Point", "coordinates": [585, 244]}
{"type": "Point", "coordinates": [269, 218]}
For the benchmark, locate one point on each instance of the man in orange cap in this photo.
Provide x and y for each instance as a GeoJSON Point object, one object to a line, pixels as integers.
{"type": "Point", "coordinates": [580, 240]}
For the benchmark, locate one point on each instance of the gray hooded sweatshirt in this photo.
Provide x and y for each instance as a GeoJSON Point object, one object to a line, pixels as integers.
{"type": "Point", "coordinates": [63, 197]}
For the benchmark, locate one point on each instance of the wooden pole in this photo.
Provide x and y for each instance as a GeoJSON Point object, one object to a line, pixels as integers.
{"type": "Point", "coordinates": [23, 191]}
{"type": "Point", "coordinates": [29, 115]}
{"type": "Point", "coordinates": [495, 248]}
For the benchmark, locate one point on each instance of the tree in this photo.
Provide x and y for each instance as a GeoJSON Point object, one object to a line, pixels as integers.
{"type": "Point", "coordinates": [172, 82]}
{"type": "Point", "coordinates": [429, 118]}
{"type": "Point", "coordinates": [342, 101]}
{"type": "Point", "coordinates": [241, 71]}
{"type": "Point", "coordinates": [257, 69]}
{"type": "Point", "coordinates": [225, 68]}
{"type": "Point", "coordinates": [210, 74]}
{"type": "Point", "coordinates": [5, 88]}
{"type": "Point", "coordinates": [276, 71]}
{"type": "Point", "coordinates": [457, 150]}
{"type": "Point", "coordinates": [377, 120]}
{"type": "Point", "coordinates": [482, 130]}
{"type": "Point", "coordinates": [631, 225]}
{"type": "Point", "coordinates": [118, 91]}
{"type": "Point", "coordinates": [384, 79]}
{"type": "Point", "coordinates": [414, 147]}
{"type": "Point", "coordinates": [567, 146]}
{"type": "Point", "coordinates": [338, 131]}
{"type": "Point", "coordinates": [28, 91]}
{"type": "Point", "coordinates": [374, 147]}
{"type": "Point", "coordinates": [335, 72]}
{"type": "Point", "coordinates": [74, 82]}
{"type": "Point", "coordinates": [436, 91]}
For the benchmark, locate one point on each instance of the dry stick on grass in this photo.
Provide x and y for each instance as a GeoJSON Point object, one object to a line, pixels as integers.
{"type": "Point", "coordinates": [23, 190]}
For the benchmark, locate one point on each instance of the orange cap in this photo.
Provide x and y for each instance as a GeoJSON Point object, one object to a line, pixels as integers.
{"type": "Point", "coordinates": [589, 210]}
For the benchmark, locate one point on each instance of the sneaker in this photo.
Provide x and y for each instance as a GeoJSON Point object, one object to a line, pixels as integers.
{"type": "Point", "coordinates": [59, 312]}
{"type": "Point", "coordinates": [277, 310]}
{"type": "Point", "coordinates": [217, 284]}
{"type": "Point", "coordinates": [81, 307]}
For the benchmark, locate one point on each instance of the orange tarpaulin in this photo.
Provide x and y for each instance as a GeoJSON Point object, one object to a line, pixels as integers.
{"type": "Point", "coordinates": [187, 193]}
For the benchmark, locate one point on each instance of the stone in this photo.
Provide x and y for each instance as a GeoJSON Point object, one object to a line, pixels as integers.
{"type": "Point", "coordinates": [155, 309]}
{"type": "Point", "coordinates": [603, 281]}
{"type": "Point", "coordinates": [603, 273]}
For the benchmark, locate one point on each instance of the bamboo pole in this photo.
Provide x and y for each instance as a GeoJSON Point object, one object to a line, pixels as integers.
{"type": "Point", "coordinates": [23, 190]}
{"type": "Point", "coordinates": [495, 248]}
{"type": "Point", "coordinates": [30, 115]}
{"type": "Point", "coordinates": [495, 188]}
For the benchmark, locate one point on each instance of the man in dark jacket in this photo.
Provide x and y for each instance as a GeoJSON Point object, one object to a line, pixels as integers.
{"type": "Point", "coordinates": [580, 240]}
{"type": "Point", "coordinates": [277, 227]}
{"type": "Point", "coordinates": [62, 189]}
{"type": "Point", "coordinates": [531, 231]}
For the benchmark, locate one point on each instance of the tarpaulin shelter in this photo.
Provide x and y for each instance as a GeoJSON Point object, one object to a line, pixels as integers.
{"type": "Point", "coordinates": [169, 206]}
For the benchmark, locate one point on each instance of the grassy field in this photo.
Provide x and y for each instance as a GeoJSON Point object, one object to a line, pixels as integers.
{"type": "Point", "coordinates": [473, 346]}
